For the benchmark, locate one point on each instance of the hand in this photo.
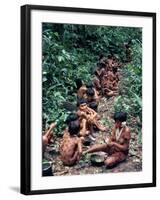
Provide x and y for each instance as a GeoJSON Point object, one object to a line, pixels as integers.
{"type": "Point", "coordinates": [104, 128]}
{"type": "Point", "coordinates": [111, 144]}
{"type": "Point", "coordinates": [107, 140]}
{"type": "Point", "coordinates": [53, 125]}
{"type": "Point", "coordinates": [84, 152]}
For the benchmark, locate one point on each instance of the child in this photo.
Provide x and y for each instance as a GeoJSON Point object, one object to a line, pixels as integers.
{"type": "Point", "coordinates": [71, 145]}
{"type": "Point", "coordinates": [89, 115]}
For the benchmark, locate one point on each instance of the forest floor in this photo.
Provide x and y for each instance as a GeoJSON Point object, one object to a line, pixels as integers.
{"type": "Point", "coordinates": [133, 163]}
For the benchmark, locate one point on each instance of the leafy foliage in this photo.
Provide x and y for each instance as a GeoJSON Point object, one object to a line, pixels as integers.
{"type": "Point", "coordinates": [130, 99]}
{"type": "Point", "coordinates": [71, 52]}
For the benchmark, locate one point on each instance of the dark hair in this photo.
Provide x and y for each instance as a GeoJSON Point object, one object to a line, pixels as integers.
{"type": "Point", "coordinates": [127, 46]}
{"type": "Point", "coordinates": [89, 85]}
{"type": "Point", "coordinates": [101, 65]}
{"type": "Point", "coordinates": [81, 101]}
{"type": "Point", "coordinates": [101, 56]}
{"type": "Point", "coordinates": [114, 69]}
{"type": "Point", "coordinates": [93, 105]}
{"type": "Point", "coordinates": [74, 127]}
{"type": "Point", "coordinates": [71, 117]}
{"type": "Point", "coordinates": [90, 92]}
{"type": "Point", "coordinates": [95, 73]}
{"type": "Point", "coordinates": [109, 56]}
{"type": "Point", "coordinates": [78, 83]}
{"type": "Point", "coordinates": [120, 116]}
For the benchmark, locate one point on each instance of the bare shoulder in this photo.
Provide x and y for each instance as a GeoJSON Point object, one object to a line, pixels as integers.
{"type": "Point", "coordinates": [127, 133]}
{"type": "Point", "coordinates": [127, 130]}
{"type": "Point", "coordinates": [77, 140]}
{"type": "Point", "coordinates": [79, 113]}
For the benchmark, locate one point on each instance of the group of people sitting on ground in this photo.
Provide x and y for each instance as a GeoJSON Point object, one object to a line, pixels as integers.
{"type": "Point", "coordinates": [106, 76]}
{"type": "Point", "coordinates": [86, 120]}
{"type": "Point", "coordinates": [116, 146]}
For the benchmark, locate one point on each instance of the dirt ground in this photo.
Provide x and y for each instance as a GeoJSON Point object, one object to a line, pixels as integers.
{"type": "Point", "coordinates": [132, 164]}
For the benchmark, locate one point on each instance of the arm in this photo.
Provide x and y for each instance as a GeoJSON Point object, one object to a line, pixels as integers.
{"type": "Point", "coordinates": [92, 112]}
{"type": "Point", "coordinates": [53, 125]}
{"type": "Point", "coordinates": [80, 145]}
{"type": "Point", "coordinates": [96, 95]}
{"type": "Point", "coordinates": [79, 152]}
{"type": "Point", "coordinates": [108, 90]}
{"type": "Point", "coordinates": [83, 127]}
{"type": "Point", "coordinates": [112, 137]}
{"type": "Point", "coordinates": [121, 147]}
{"type": "Point", "coordinates": [82, 114]}
{"type": "Point", "coordinates": [125, 145]}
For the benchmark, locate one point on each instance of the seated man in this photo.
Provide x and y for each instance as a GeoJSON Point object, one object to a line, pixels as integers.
{"type": "Point", "coordinates": [91, 93]}
{"type": "Point", "coordinates": [117, 145]}
{"type": "Point", "coordinates": [71, 145]}
{"type": "Point", "coordinates": [91, 96]}
{"type": "Point", "coordinates": [81, 88]}
{"type": "Point", "coordinates": [109, 85]}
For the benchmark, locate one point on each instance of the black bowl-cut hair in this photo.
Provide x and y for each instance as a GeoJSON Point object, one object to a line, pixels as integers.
{"type": "Point", "coordinates": [79, 83]}
{"type": "Point", "coordinates": [81, 101]}
{"type": "Point", "coordinates": [115, 69]}
{"type": "Point", "coordinates": [120, 116]}
{"type": "Point", "coordinates": [71, 117]}
{"type": "Point", "coordinates": [74, 127]}
{"type": "Point", "coordinates": [101, 56]}
{"type": "Point", "coordinates": [90, 92]}
{"type": "Point", "coordinates": [89, 85]}
{"type": "Point", "coordinates": [93, 105]}
{"type": "Point", "coordinates": [110, 56]}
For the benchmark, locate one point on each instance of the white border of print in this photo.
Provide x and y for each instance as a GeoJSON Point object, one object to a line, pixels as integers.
{"type": "Point", "coordinates": [41, 183]}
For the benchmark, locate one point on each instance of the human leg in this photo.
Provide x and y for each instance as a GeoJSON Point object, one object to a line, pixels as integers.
{"type": "Point", "coordinates": [97, 148]}
{"type": "Point", "coordinates": [114, 159]}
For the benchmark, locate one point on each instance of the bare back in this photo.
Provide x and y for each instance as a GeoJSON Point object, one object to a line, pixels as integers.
{"type": "Point", "coordinates": [69, 149]}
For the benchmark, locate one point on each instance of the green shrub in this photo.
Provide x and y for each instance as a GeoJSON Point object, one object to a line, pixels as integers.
{"type": "Point", "coordinates": [70, 52]}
